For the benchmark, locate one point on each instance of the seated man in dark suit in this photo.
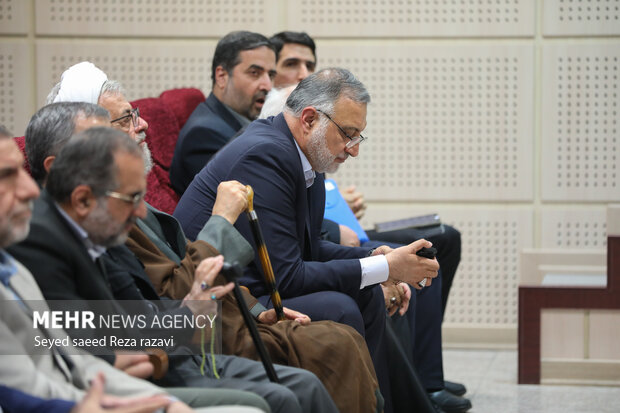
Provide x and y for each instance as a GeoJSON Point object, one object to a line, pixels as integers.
{"type": "Point", "coordinates": [295, 60]}
{"type": "Point", "coordinates": [93, 196]}
{"type": "Point", "coordinates": [420, 322]}
{"type": "Point", "coordinates": [243, 66]}
{"type": "Point", "coordinates": [283, 158]}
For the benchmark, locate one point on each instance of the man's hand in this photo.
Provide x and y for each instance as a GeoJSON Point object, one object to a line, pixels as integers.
{"type": "Point", "coordinates": [135, 364]}
{"type": "Point", "coordinates": [396, 297]}
{"type": "Point", "coordinates": [269, 316]}
{"type": "Point", "coordinates": [231, 200]}
{"type": "Point", "coordinates": [406, 266]}
{"type": "Point", "coordinates": [348, 237]}
{"type": "Point", "coordinates": [97, 402]}
{"type": "Point", "coordinates": [382, 250]}
{"type": "Point", "coordinates": [200, 298]}
{"type": "Point", "coordinates": [355, 200]}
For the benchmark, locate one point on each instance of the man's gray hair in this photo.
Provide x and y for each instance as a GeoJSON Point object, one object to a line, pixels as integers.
{"type": "Point", "coordinates": [51, 127]}
{"type": "Point", "coordinates": [112, 87]}
{"type": "Point", "coordinates": [4, 132]}
{"type": "Point", "coordinates": [88, 159]}
{"type": "Point", "coordinates": [323, 88]}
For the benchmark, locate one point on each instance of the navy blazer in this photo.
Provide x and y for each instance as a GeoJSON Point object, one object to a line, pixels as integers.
{"type": "Point", "coordinates": [207, 130]}
{"type": "Point", "coordinates": [265, 157]}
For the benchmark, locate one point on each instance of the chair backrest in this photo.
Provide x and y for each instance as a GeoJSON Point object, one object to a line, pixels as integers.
{"type": "Point", "coordinates": [21, 144]}
{"type": "Point", "coordinates": [165, 115]}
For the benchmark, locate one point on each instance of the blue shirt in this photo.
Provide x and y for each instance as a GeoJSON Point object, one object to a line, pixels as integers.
{"type": "Point", "coordinates": [7, 267]}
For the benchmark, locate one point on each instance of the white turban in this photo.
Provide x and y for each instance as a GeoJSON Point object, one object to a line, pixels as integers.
{"type": "Point", "coordinates": [81, 83]}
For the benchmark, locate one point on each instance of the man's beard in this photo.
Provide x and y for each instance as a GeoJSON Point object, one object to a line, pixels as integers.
{"type": "Point", "coordinates": [321, 159]}
{"type": "Point", "coordinates": [146, 153]}
{"type": "Point", "coordinates": [16, 230]}
{"type": "Point", "coordinates": [103, 229]}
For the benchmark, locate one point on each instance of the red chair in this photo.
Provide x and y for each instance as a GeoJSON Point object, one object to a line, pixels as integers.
{"type": "Point", "coordinates": [165, 115]}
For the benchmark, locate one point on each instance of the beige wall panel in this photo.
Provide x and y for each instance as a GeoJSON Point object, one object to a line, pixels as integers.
{"type": "Point", "coordinates": [14, 16]}
{"type": "Point", "coordinates": [605, 334]}
{"type": "Point", "coordinates": [584, 228]}
{"type": "Point", "coordinates": [562, 334]}
{"type": "Point", "coordinates": [581, 135]}
{"type": "Point", "coordinates": [16, 92]}
{"type": "Point", "coordinates": [145, 68]}
{"type": "Point", "coordinates": [398, 18]}
{"type": "Point", "coordinates": [613, 220]}
{"type": "Point", "coordinates": [171, 18]}
{"type": "Point", "coordinates": [485, 287]}
{"type": "Point", "coordinates": [445, 122]}
{"type": "Point", "coordinates": [581, 17]}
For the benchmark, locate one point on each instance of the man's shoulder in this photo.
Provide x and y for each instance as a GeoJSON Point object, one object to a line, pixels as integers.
{"type": "Point", "coordinates": [264, 139]}
{"type": "Point", "coordinates": [210, 116]}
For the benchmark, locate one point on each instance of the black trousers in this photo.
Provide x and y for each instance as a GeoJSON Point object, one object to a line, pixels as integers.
{"type": "Point", "coordinates": [447, 243]}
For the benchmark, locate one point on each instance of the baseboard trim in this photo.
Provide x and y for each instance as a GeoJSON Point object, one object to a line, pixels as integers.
{"type": "Point", "coordinates": [580, 372]}
{"type": "Point", "coordinates": [479, 337]}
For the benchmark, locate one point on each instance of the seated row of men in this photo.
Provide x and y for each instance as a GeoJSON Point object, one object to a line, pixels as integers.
{"type": "Point", "coordinates": [245, 66]}
{"type": "Point", "coordinates": [94, 198]}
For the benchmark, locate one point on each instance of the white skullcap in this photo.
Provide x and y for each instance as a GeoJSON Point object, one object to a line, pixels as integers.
{"type": "Point", "coordinates": [81, 82]}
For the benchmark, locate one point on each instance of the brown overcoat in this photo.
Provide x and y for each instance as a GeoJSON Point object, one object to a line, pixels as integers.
{"type": "Point", "coordinates": [335, 352]}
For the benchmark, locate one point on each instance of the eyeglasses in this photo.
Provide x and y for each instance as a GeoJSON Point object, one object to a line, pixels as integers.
{"type": "Point", "coordinates": [123, 121]}
{"type": "Point", "coordinates": [352, 140]}
{"type": "Point", "coordinates": [134, 199]}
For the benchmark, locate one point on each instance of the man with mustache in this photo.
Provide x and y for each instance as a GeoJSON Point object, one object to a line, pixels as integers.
{"type": "Point", "coordinates": [243, 67]}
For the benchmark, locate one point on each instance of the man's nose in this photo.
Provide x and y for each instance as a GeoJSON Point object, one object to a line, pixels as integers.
{"type": "Point", "coordinates": [27, 189]}
{"type": "Point", "coordinates": [265, 82]}
{"type": "Point", "coordinates": [140, 211]}
{"type": "Point", "coordinates": [302, 73]}
{"type": "Point", "coordinates": [354, 151]}
{"type": "Point", "coordinates": [142, 125]}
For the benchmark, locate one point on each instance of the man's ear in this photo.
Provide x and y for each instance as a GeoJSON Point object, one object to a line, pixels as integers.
{"type": "Point", "coordinates": [221, 77]}
{"type": "Point", "coordinates": [309, 116]}
{"type": "Point", "coordinates": [82, 201]}
{"type": "Point", "coordinates": [47, 163]}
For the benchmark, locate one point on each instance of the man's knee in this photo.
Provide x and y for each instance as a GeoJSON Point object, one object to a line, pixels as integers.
{"type": "Point", "coordinates": [452, 236]}
{"type": "Point", "coordinates": [342, 309]}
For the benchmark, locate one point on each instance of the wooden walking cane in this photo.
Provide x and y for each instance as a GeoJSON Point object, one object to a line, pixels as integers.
{"type": "Point", "coordinates": [270, 278]}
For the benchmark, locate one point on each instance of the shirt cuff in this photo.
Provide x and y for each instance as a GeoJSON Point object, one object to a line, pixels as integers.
{"type": "Point", "coordinates": [375, 270]}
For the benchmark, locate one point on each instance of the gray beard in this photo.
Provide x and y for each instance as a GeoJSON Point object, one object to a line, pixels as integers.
{"type": "Point", "coordinates": [101, 229]}
{"type": "Point", "coordinates": [321, 158]}
{"type": "Point", "coordinates": [146, 154]}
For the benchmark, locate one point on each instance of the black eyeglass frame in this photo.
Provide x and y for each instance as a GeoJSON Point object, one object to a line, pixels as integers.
{"type": "Point", "coordinates": [352, 141]}
{"type": "Point", "coordinates": [134, 114]}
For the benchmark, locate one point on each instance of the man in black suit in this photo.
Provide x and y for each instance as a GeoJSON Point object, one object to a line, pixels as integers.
{"type": "Point", "coordinates": [283, 158]}
{"type": "Point", "coordinates": [243, 67]}
{"type": "Point", "coordinates": [94, 195]}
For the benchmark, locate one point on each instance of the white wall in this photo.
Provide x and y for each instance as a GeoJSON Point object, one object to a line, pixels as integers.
{"type": "Point", "coordinates": [501, 115]}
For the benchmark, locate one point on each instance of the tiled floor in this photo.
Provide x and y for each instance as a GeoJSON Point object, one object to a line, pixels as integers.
{"type": "Point", "coordinates": [491, 380]}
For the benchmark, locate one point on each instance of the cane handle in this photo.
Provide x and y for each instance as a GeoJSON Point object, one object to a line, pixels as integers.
{"type": "Point", "coordinates": [250, 197]}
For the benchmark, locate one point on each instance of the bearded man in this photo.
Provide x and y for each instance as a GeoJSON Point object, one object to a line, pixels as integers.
{"type": "Point", "coordinates": [283, 159]}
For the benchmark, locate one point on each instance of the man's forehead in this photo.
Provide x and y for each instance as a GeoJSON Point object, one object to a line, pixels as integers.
{"type": "Point", "coordinates": [296, 50]}
{"type": "Point", "coordinates": [262, 56]}
{"type": "Point", "coordinates": [115, 103]}
{"type": "Point", "coordinates": [82, 123]}
{"type": "Point", "coordinates": [130, 171]}
{"type": "Point", "coordinates": [10, 155]}
{"type": "Point", "coordinates": [350, 113]}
